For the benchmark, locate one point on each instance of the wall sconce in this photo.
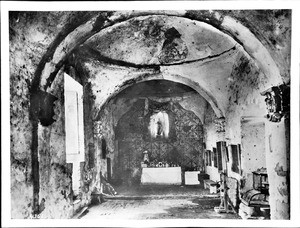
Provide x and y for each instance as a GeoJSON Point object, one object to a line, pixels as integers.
{"type": "Point", "coordinates": [46, 108]}
{"type": "Point", "coordinates": [277, 101]}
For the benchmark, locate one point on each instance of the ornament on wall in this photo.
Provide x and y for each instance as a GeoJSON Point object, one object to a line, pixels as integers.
{"type": "Point", "coordinates": [159, 125]}
{"type": "Point", "coordinates": [220, 124]}
{"type": "Point", "coordinates": [46, 105]}
{"type": "Point", "coordinates": [277, 101]}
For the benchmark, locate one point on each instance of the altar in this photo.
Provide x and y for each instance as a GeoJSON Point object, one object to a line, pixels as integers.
{"type": "Point", "coordinates": [163, 175]}
{"type": "Point", "coordinates": [191, 178]}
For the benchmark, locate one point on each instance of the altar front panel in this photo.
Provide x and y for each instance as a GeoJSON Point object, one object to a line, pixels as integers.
{"type": "Point", "coordinates": [191, 177]}
{"type": "Point", "coordinates": [170, 175]}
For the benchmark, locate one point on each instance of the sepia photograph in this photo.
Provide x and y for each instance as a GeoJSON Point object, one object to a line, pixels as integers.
{"type": "Point", "coordinates": [156, 115]}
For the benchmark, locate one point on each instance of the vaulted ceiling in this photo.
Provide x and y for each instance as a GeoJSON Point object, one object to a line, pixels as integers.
{"type": "Point", "coordinates": [167, 45]}
{"type": "Point", "coordinates": [173, 48]}
{"type": "Point", "coordinates": [160, 40]}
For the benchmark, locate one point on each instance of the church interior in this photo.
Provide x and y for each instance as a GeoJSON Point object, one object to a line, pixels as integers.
{"type": "Point", "coordinates": [116, 105]}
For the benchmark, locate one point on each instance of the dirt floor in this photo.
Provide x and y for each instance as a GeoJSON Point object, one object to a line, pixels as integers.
{"type": "Point", "coordinates": [158, 202]}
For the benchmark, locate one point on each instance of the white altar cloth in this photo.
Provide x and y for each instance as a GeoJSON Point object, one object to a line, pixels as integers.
{"type": "Point", "coordinates": [170, 175]}
{"type": "Point", "coordinates": [191, 177]}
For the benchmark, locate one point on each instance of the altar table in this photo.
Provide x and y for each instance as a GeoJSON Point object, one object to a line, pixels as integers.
{"type": "Point", "coordinates": [165, 175]}
{"type": "Point", "coordinates": [191, 178]}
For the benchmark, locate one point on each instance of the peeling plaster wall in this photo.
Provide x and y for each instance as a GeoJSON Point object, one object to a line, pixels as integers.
{"type": "Point", "coordinates": [210, 134]}
{"type": "Point", "coordinates": [217, 18]}
{"type": "Point", "coordinates": [55, 178]}
{"type": "Point", "coordinates": [211, 75]}
{"type": "Point", "coordinates": [55, 173]}
{"type": "Point", "coordinates": [278, 168]}
{"type": "Point", "coordinates": [244, 97]}
{"type": "Point", "coordinates": [34, 34]}
{"type": "Point", "coordinates": [104, 129]}
{"type": "Point", "coordinates": [196, 104]}
{"type": "Point", "coordinates": [211, 137]}
{"type": "Point", "coordinates": [188, 70]}
{"type": "Point", "coordinates": [29, 36]}
{"type": "Point", "coordinates": [233, 191]}
{"type": "Point", "coordinates": [246, 83]}
{"type": "Point", "coordinates": [160, 40]}
{"type": "Point", "coordinates": [273, 29]}
{"type": "Point", "coordinates": [253, 155]}
{"type": "Point", "coordinates": [106, 80]}
{"type": "Point", "coordinates": [244, 100]}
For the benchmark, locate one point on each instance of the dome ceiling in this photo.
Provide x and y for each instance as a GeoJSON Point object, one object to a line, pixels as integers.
{"type": "Point", "coordinates": [159, 40]}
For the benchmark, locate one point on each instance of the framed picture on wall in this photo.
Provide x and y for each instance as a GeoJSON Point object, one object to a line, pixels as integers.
{"type": "Point", "coordinates": [221, 151]}
{"type": "Point", "coordinates": [209, 157]}
{"type": "Point", "coordinates": [215, 157]}
{"type": "Point", "coordinates": [234, 150]}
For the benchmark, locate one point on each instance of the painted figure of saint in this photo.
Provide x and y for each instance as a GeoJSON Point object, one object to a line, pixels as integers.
{"type": "Point", "coordinates": [159, 128]}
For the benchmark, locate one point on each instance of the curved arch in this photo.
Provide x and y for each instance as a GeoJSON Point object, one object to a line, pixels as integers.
{"type": "Point", "coordinates": [225, 24]}
{"type": "Point", "coordinates": [205, 94]}
{"type": "Point", "coordinates": [175, 78]}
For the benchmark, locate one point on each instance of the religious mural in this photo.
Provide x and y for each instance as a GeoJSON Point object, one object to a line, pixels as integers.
{"type": "Point", "coordinates": [176, 140]}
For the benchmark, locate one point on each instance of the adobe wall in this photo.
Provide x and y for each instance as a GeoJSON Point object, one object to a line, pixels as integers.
{"type": "Point", "coordinates": [30, 35]}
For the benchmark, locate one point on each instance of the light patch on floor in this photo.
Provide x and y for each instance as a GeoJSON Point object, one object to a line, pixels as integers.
{"type": "Point", "coordinates": [158, 202]}
{"type": "Point", "coordinates": [134, 209]}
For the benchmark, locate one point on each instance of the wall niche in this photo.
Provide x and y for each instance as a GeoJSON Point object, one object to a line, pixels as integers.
{"type": "Point", "coordinates": [178, 140]}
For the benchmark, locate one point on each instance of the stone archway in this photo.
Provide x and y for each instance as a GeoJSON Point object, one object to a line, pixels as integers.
{"type": "Point", "coordinates": [72, 37]}
{"type": "Point", "coordinates": [61, 48]}
{"type": "Point", "coordinates": [58, 53]}
{"type": "Point", "coordinates": [170, 77]}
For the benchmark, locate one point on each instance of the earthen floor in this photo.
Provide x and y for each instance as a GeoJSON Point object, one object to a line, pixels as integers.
{"type": "Point", "coordinates": [158, 202]}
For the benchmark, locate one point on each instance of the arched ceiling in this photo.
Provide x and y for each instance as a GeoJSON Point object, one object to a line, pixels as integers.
{"type": "Point", "coordinates": [83, 25]}
{"type": "Point", "coordinates": [159, 91]}
{"type": "Point", "coordinates": [158, 88]}
{"type": "Point", "coordinates": [123, 49]}
{"type": "Point", "coordinates": [160, 40]}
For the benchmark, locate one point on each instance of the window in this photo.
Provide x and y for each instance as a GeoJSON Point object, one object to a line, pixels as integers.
{"type": "Point", "coordinates": [74, 128]}
{"type": "Point", "coordinates": [235, 153]}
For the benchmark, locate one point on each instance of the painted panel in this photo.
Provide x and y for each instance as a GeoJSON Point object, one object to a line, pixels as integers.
{"type": "Point", "coordinates": [183, 146]}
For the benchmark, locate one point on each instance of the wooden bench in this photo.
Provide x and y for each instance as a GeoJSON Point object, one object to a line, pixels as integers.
{"type": "Point", "coordinates": [211, 185]}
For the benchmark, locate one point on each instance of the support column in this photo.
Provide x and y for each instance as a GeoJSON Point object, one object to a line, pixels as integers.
{"type": "Point", "coordinates": [278, 168]}
{"type": "Point", "coordinates": [278, 149]}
